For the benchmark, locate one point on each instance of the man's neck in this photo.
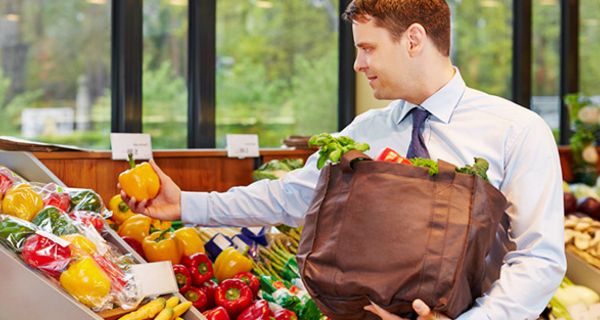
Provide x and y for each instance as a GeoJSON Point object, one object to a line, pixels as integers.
{"type": "Point", "coordinates": [432, 79]}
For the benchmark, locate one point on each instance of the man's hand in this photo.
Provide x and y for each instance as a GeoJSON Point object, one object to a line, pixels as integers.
{"type": "Point", "coordinates": [165, 206]}
{"type": "Point", "coordinates": [418, 305]}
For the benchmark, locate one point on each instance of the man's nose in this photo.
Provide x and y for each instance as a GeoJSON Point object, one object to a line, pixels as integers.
{"type": "Point", "coordinates": [359, 64]}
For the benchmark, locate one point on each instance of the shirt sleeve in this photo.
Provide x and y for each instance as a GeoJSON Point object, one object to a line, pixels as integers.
{"type": "Point", "coordinates": [532, 272]}
{"type": "Point", "coordinates": [265, 202]}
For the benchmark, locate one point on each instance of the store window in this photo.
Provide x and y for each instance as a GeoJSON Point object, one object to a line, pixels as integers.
{"type": "Point", "coordinates": [589, 48]}
{"type": "Point", "coordinates": [545, 73]}
{"type": "Point", "coordinates": [277, 68]}
{"type": "Point", "coordinates": [482, 44]}
{"type": "Point", "coordinates": [55, 71]}
{"type": "Point", "coordinates": [164, 86]}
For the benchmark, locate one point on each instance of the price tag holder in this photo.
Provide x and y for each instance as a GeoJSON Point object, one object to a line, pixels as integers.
{"type": "Point", "coordinates": [138, 144]}
{"type": "Point", "coordinates": [242, 145]}
{"type": "Point", "coordinates": [154, 278]}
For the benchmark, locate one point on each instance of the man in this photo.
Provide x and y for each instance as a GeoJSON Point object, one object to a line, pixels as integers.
{"type": "Point", "coordinates": [403, 50]}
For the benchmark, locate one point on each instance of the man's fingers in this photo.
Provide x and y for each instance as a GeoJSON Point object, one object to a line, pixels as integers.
{"type": "Point", "coordinates": [382, 313]}
{"type": "Point", "coordinates": [423, 310]}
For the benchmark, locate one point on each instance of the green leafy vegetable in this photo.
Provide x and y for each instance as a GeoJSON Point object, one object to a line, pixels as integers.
{"type": "Point", "coordinates": [333, 148]}
{"type": "Point", "coordinates": [276, 168]}
{"type": "Point", "coordinates": [426, 163]}
{"type": "Point", "coordinates": [479, 168]}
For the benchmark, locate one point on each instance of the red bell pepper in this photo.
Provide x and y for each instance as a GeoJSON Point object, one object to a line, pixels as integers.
{"type": "Point", "coordinates": [136, 245]}
{"type": "Point", "coordinates": [5, 184]}
{"type": "Point", "coordinates": [233, 295]}
{"type": "Point", "coordinates": [88, 218]}
{"type": "Point", "coordinates": [250, 279]}
{"type": "Point", "coordinates": [46, 255]}
{"type": "Point", "coordinates": [61, 200]}
{"type": "Point", "coordinates": [257, 311]}
{"type": "Point", "coordinates": [209, 288]}
{"type": "Point", "coordinates": [285, 314]}
{"type": "Point", "coordinates": [183, 277]}
{"type": "Point", "coordinates": [200, 267]}
{"type": "Point", "coordinates": [114, 273]}
{"type": "Point", "coordinates": [389, 155]}
{"type": "Point", "coordinates": [218, 313]}
{"type": "Point", "coordinates": [197, 297]}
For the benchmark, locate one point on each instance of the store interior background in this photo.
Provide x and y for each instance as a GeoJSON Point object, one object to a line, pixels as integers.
{"type": "Point", "coordinates": [190, 72]}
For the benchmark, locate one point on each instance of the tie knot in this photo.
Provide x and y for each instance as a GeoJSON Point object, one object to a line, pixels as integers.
{"type": "Point", "coordinates": [419, 115]}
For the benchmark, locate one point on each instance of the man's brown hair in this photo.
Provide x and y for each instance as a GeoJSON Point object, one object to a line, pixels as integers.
{"type": "Point", "coordinates": [397, 15]}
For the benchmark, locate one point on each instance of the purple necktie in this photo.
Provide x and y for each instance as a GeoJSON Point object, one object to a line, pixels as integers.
{"type": "Point", "coordinates": [417, 148]}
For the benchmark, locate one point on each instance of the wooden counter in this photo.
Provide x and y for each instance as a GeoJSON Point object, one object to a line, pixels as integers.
{"type": "Point", "coordinates": [192, 170]}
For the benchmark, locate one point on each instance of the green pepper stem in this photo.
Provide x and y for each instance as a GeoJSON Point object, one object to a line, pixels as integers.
{"type": "Point", "coordinates": [161, 237]}
{"type": "Point", "coordinates": [130, 160]}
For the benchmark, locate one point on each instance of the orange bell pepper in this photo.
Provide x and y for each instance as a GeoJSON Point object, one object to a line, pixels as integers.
{"type": "Point", "coordinates": [161, 246]}
{"type": "Point", "coordinates": [136, 227]}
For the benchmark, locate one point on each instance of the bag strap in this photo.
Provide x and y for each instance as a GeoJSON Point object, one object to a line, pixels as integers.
{"type": "Point", "coordinates": [447, 171]}
{"type": "Point", "coordinates": [349, 157]}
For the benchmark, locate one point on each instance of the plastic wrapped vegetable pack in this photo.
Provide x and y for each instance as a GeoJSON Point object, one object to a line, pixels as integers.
{"type": "Point", "coordinates": [58, 231]}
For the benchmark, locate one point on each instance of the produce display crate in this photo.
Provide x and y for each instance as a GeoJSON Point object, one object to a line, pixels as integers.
{"type": "Point", "coordinates": [582, 273]}
{"type": "Point", "coordinates": [27, 293]}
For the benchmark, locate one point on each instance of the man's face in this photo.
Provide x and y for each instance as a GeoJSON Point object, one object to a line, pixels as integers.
{"type": "Point", "coordinates": [383, 60]}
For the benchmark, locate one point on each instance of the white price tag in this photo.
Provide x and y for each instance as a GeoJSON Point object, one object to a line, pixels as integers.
{"type": "Point", "coordinates": [60, 241]}
{"type": "Point", "coordinates": [242, 145]}
{"type": "Point", "coordinates": [154, 278]}
{"type": "Point", "coordinates": [138, 144]}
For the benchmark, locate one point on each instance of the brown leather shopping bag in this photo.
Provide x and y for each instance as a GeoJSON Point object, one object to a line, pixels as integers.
{"type": "Point", "coordinates": [390, 233]}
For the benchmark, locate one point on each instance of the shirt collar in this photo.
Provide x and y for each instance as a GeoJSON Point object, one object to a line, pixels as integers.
{"type": "Point", "coordinates": [442, 103]}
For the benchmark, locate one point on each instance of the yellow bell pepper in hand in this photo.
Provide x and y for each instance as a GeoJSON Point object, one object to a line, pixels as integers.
{"type": "Point", "coordinates": [140, 182]}
{"type": "Point", "coordinates": [120, 209]}
{"type": "Point", "coordinates": [22, 202]}
{"type": "Point", "coordinates": [189, 241]}
{"type": "Point", "coordinates": [86, 282]}
{"type": "Point", "coordinates": [136, 227]}
{"type": "Point", "coordinates": [231, 262]}
{"type": "Point", "coordinates": [80, 246]}
{"type": "Point", "coordinates": [161, 246]}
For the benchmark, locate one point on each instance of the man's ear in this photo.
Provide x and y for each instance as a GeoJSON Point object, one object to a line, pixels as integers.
{"type": "Point", "coordinates": [416, 36]}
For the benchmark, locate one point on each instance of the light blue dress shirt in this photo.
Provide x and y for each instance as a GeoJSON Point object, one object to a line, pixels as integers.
{"type": "Point", "coordinates": [464, 123]}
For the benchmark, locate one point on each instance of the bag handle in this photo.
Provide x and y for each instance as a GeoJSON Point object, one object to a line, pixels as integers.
{"type": "Point", "coordinates": [349, 157]}
{"type": "Point", "coordinates": [446, 169]}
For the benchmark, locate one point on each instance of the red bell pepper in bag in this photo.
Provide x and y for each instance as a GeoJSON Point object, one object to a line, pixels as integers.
{"type": "Point", "coordinates": [136, 245]}
{"type": "Point", "coordinates": [46, 255]}
{"type": "Point", "coordinates": [197, 297]}
{"type": "Point", "coordinates": [183, 277]}
{"type": "Point", "coordinates": [57, 197]}
{"type": "Point", "coordinates": [218, 313]}
{"type": "Point", "coordinates": [5, 184]}
{"type": "Point", "coordinates": [257, 311]}
{"type": "Point", "coordinates": [285, 314]}
{"type": "Point", "coordinates": [114, 273]}
{"type": "Point", "coordinates": [233, 295]}
{"type": "Point", "coordinates": [88, 218]}
{"type": "Point", "coordinates": [200, 267]}
{"type": "Point", "coordinates": [250, 279]}
{"type": "Point", "coordinates": [389, 155]}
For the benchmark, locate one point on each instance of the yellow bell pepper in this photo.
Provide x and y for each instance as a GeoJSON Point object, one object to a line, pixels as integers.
{"type": "Point", "coordinates": [161, 246]}
{"type": "Point", "coordinates": [22, 202]}
{"type": "Point", "coordinates": [189, 241]}
{"type": "Point", "coordinates": [120, 209]}
{"type": "Point", "coordinates": [231, 262]}
{"type": "Point", "coordinates": [80, 246]}
{"type": "Point", "coordinates": [136, 227]}
{"type": "Point", "coordinates": [86, 282]}
{"type": "Point", "coordinates": [140, 182]}
{"type": "Point", "coordinates": [160, 225]}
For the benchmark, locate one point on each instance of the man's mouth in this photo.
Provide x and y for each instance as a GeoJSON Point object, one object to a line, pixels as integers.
{"type": "Point", "coordinates": [371, 79]}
